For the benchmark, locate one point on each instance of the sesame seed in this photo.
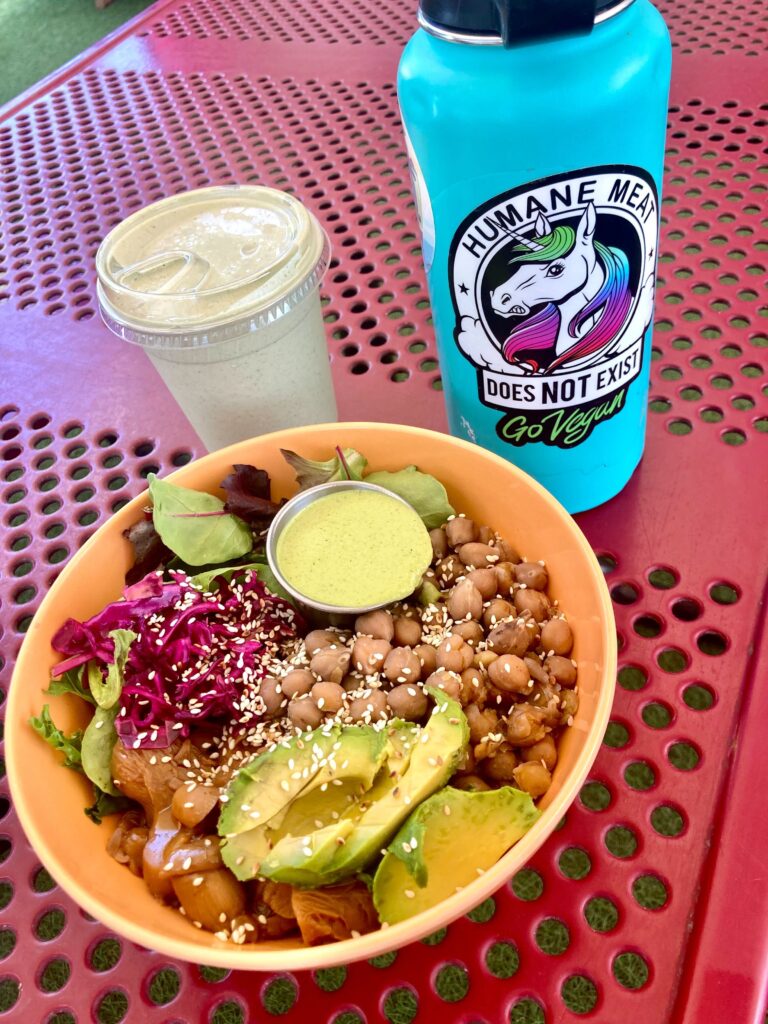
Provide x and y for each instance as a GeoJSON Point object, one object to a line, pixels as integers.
{"type": "Point", "coordinates": [409, 894]}
{"type": "Point", "coordinates": [197, 880]}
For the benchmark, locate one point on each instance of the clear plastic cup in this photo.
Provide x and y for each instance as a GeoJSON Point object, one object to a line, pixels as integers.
{"type": "Point", "coordinates": [220, 286]}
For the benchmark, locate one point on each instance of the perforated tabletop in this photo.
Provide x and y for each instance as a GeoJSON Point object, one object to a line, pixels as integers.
{"type": "Point", "coordinates": [650, 903]}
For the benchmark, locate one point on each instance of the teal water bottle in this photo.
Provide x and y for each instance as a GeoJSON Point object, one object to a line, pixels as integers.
{"type": "Point", "coordinates": [535, 131]}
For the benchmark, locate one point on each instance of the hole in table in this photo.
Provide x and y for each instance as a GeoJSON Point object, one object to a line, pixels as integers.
{"type": "Point", "coordinates": [601, 914]}
{"type": "Point", "coordinates": [667, 820]}
{"type": "Point", "coordinates": [712, 643]}
{"type": "Point", "coordinates": [648, 626]}
{"type": "Point", "coordinates": [687, 609]}
{"type": "Point", "coordinates": [616, 735]}
{"type": "Point", "coordinates": [657, 715]}
{"type": "Point", "coordinates": [650, 892]}
{"type": "Point", "coordinates": [595, 796]}
{"type": "Point", "coordinates": [621, 841]}
{"type": "Point", "coordinates": [683, 756]}
{"type": "Point", "coordinates": [632, 677]}
{"type": "Point", "coordinates": [698, 697]}
{"type": "Point", "coordinates": [630, 970]}
{"type": "Point", "coordinates": [672, 659]}
{"type": "Point", "coordinates": [625, 593]}
{"type": "Point", "coordinates": [663, 577]}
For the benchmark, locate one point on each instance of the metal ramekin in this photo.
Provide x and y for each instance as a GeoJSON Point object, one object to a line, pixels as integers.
{"type": "Point", "coordinates": [287, 513]}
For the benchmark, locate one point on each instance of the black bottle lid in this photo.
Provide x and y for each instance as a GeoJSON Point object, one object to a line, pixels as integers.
{"type": "Point", "coordinates": [516, 21]}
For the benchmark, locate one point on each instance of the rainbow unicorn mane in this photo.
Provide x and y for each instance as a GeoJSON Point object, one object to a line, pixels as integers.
{"type": "Point", "coordinates": [539, 332]}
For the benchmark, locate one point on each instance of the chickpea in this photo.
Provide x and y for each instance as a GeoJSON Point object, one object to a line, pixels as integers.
{"type": "Point", "coordinates": [329, 697]}
{"type": "Point", "coordinates": [297, 682]}
{"type": "Point", "coordinates": [483, 659]}
{"type": "Point", "coordinates": [454, 654]}
{"type": "Point", "coordinates": [532, 777]}
{"type": "Point", "coordinates": [427, 655]}
{"type": "Point", "coordinates": [485, 581]}
{"type": "Point", "coordinates": [470, 783]}
{"type": "Point", "coordinates": [473, 687]}
{"type": "Point", "coordinates": [379, 624]}
{"type": "Point", "coordinates": [460, 530]}
{"type": "Point", "coordinates": [496, 612]}
{"type": "Point", "coordinates": [505, 577]}
{"type": "Point", "coordinates": [448, 570]}
{"type": "Point", "coordinates": [525, 726]}
{"type": "Point", "coordinates": [481, 722]}
{"type": "Point", "coordinates": [402, 666]}
{"type": "Point", "coordinates": [369, 654]}
{"type": "Point", "coordinates": [532, 601]}
{"type": "Point", "coordinates": [371, 708]}
{"type": "Point", "coordinates": [561, 669]}
{"type": "Point", "coordinates": [506, 551]}
{"type": "Point", "coordinates": [319, 639]}
{"type": "Point", "coordinates": [569, 705]}
{"type": "Point", "coordinates": [271, 692]}
{"type": "Point", "coordinates": [331, 664]}
{"type": "Point", "coordinates": [536, 669]}
{"type": "Point", "coordinates": [500, 765]}
{"type": "Point", "coordinates": [465, 602]}
{"type": "Point", "coordinates": [407, 631]}
{"type": "Point", "coordinates": [545, 699]}
{"type": "Point", "coordinates": [304, 713]}
{"type": "Point", "coordinates": [448, 682]}
{"type": "Point", "coordinates": [477, 556]}
{"type": "Point", "coordinates": [510, 674]}
{"type": "Point", "coordinates": [408, 702]}
{"type": "Point", "coordinates": [354, 681]}
{"type": "Point", "coordinates": [509, 638]}
{"type": "Point", "coordinates": [556, 635]}
{"type": "Point", "coordinates": [485, 535]}
{"type": "Point", "coordinates": [471, 632]}
{"type": "Point", "coordinates": [439, 543]}
{"type": "Point", "coordinates": [532, 574]}
{"type": "Point", "coordinates": [545, 750]}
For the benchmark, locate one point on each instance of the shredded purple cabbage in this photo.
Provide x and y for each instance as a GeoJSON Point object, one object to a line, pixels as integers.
{"type": "Point", "coordinates": [195, 655]}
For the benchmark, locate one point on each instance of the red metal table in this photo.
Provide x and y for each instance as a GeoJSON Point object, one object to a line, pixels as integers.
{"type": "Point", "coordinates": [649, 904]}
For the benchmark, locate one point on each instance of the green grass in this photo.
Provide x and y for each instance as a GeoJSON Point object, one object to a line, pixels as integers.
{"type": "Point", "coordinates": [38, 36]}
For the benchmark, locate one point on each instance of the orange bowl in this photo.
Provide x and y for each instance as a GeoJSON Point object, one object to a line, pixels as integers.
{"type": "Point", "coordinates": [50, 801]}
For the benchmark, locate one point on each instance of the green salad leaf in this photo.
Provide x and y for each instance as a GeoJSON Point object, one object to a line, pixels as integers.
{"type": "Point", "coordinates": [260, 568]}
{"type": "Point", "coordinates": [106, 691]}
{"type": "Point", "coordinates": [424, 492]}
{"type": "Point", "coordinates": [70, 682]}
{"type": "Point", "coordinates": [195, 525]}
{"type": "Point", "coordinates": [99, 738]}
{"type": "Point", "coordinates": [70, 746]}
{"type": "Point", "coordinates": [345, 464]}
{"type": "Point", "coordinates": [105, 804]}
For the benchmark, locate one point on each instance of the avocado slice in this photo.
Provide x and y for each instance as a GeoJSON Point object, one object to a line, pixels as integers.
{"type": "Point", "coordinates": [433, 760]}
{"type": "Point", "coordinates": [303, 784]}
{"type": "Point", "coordinates": [421, 760]}
{"type": "Point", "coordinates": [429, 858]}
{"type": "Point", "coordinates": [309, 857]}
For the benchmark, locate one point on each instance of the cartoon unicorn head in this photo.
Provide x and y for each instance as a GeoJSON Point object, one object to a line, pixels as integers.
{"type": "Point", "coordinates": [581, 285]}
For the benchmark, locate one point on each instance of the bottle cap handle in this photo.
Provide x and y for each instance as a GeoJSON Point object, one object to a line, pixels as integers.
{"type": "Point", "coordinates": [523, 20]}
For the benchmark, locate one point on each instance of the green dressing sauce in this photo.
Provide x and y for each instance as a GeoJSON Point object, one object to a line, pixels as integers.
{"type": "Point", "coordinates": [354, 548]}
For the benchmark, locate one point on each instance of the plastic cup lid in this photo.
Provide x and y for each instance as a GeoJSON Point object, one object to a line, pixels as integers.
{"type": "Point", "coordinates": [203, 266]}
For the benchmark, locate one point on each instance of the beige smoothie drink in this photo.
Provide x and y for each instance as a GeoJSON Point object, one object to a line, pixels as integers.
{"type": "Point", "coordinates": [220, 286]}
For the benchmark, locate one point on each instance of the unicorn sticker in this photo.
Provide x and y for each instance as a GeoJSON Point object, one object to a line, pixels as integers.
{"type": "Point", "coordinates": [552, 288]}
